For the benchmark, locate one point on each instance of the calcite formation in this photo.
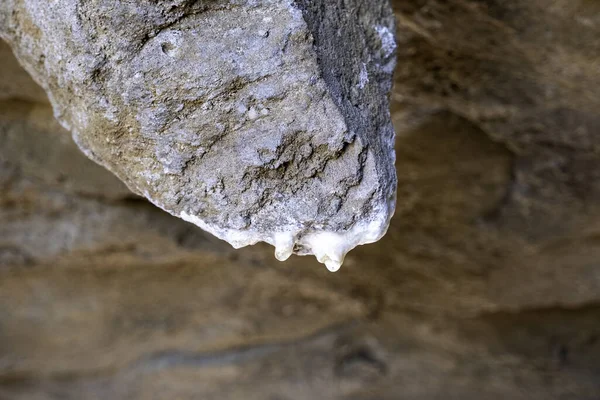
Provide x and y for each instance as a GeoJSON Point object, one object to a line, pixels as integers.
{"type": "Point", "coordinates": [257, 120]}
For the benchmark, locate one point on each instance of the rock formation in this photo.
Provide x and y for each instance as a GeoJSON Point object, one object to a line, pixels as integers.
{"type": "Point", "coordinates": [255, 120]}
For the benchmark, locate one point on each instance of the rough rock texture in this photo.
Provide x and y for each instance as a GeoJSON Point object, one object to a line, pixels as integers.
{"type": "Point", "coordinates": [293, 94]}
{"type": "Point", "coordinates": [487, 285]}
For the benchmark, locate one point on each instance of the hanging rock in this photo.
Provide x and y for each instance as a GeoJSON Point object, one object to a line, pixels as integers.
{"type": "Point", "coordinates": [255, 120]}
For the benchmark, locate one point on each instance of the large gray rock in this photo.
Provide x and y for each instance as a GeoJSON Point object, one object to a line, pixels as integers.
{"type": "Point", "coordinates": [255, 120]}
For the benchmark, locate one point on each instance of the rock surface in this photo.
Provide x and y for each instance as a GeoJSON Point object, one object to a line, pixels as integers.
{"type": "Point", "coordinates": [294, 95]}
{"type": "Point", "coordinates": [486, 286]}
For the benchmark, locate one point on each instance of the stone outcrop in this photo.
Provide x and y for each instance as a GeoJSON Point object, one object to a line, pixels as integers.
{"type": "Point", "coordinates": [486, 285]}
{"type": "Point", "coordinates": [292, 94]}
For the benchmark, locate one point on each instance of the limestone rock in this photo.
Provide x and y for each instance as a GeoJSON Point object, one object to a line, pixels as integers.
{"type": "Point", "coordinates": [256, 120]}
